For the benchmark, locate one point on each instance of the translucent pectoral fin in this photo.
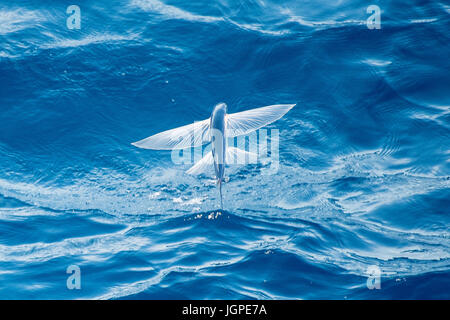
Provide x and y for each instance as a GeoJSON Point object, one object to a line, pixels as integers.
{"type": "Point", "coordinates": [191, 135]}
{"type": "Point", "coordinates": [205, 165]}
{"type": "Point", "coordinates": [247, 121]}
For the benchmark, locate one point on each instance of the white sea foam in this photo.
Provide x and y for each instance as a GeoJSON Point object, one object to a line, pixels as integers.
{"type": "Point", "coordinates": [88, 40]}
{"type": "Point", "coordinates": [193, 201]}
{"type": "Point", "coordinates": [90, 246]}
{"type": "Point", "coordinates": [258, 28]}
{"type": "Point", "coordinates": [18, 19]}
{"type": "Point", "coordinates": [4, 54]}
{"type": "Point", "coordinates": [423, 20]}
{"type": "Point", "coordinates": [171, 12]}
{"type": "Point", "coordinates": [377, 63]}
{"type": "Point", "coordinates": [291, 17]}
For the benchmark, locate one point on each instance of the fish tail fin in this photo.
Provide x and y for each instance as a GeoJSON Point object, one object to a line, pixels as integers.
{"type": "Point", "coordinates": [219, 183]}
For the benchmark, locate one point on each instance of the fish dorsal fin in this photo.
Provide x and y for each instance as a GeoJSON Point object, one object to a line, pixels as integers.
{"type": "Point", "coordinates": [244, 122]}
{"type": "Point", "coordinates": [191, 135]}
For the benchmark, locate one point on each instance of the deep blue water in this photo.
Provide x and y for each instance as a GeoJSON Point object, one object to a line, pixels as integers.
{"type": "Point", "coordinates": [364, 170]}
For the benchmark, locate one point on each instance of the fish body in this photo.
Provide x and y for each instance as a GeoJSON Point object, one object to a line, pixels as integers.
{"type": "Point", "coordinates": [219, 143]}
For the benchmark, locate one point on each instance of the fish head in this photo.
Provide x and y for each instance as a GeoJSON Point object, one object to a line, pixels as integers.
{"type": "Point", "coordinates": [220, 108]}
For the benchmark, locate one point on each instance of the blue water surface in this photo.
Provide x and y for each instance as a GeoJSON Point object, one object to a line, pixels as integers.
{"type": "Point", "coordinates": [364, 157]}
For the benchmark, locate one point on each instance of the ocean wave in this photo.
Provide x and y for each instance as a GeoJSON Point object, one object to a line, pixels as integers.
{"type": "Point", "coordinates": [361, 178]}
{"type": "Point", "coordinates": [89, 40]}
{"type": "Point", "coordinates": [171, 12]}
{"type": "Point", "coordinates": [15, 20]}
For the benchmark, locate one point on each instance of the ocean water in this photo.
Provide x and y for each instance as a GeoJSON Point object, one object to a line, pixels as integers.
{"type": "Point", "coordinates": [364, 158]}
